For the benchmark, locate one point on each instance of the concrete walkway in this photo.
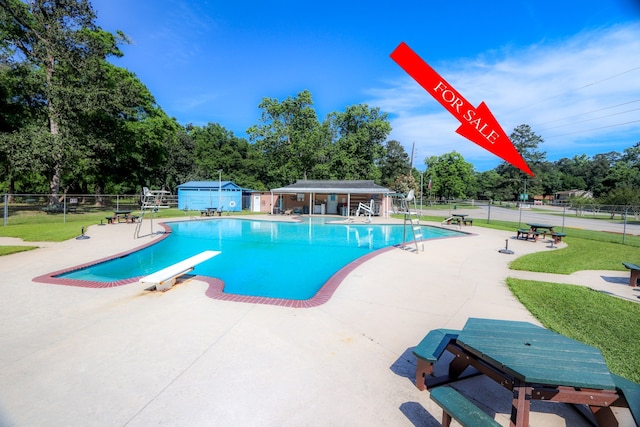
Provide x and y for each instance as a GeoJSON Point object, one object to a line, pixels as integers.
{"type": "Point", "coordinates": [124, 356]}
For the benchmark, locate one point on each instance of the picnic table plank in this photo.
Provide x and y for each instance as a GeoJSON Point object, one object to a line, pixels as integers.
{"type": "Point", "coordinates": [522, 349]}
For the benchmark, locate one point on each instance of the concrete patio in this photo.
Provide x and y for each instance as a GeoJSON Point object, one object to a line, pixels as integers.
{"type": "Point", "coordinates": [119, 356]}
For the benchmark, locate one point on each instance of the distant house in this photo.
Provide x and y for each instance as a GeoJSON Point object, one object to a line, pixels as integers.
{"type": "Point", "coordinates": [199, 195]}
{"type": "Point", "coordinates": [564, 197]}
{"type": "Point", "coordinates": [543, 200]}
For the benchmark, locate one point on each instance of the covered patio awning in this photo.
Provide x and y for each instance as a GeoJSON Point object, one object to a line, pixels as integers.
{"type": "Point", "coordinates": [347, 187]}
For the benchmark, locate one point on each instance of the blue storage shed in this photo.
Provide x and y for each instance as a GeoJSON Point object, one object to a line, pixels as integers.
{"type": "Point", "coordinates": [199, 195]}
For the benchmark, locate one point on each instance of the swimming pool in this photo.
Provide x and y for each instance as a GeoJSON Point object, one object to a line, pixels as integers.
{"type": "Point", "coordinates": [273, 259]}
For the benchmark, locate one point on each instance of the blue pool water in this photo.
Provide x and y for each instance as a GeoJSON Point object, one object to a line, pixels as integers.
{"type": "Point", "coordinates": [259, 258]}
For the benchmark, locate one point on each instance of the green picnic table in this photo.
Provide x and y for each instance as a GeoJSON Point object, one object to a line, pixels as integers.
{"type": "Point", "coordinates": [635, 273]}
{"type": "Point", "coordinates": [537, 364]}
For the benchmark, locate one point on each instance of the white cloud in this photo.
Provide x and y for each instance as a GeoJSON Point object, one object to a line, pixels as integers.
{"type": "Point", "coordinates": [562, 89]}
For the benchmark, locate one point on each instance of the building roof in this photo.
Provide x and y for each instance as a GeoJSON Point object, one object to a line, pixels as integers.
{"type": "Point", "coordinates": [577, 193]}
{"type": "Point", "coordinates": [208, 185]}
{"type": "Point", "coordinates": [333, 186]}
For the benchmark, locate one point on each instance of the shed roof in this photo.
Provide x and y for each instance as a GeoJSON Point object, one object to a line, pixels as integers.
{"type": "Point", "coordinates": [333, 186]}
{"type": "Point", "coordinates": [208, 185]}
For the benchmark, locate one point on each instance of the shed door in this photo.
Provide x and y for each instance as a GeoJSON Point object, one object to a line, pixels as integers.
{"type": "Point", "coordinates": [256, 203]}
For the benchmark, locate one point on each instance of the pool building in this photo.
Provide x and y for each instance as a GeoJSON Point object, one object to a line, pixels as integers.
{"type": "Point", "coordinates": [324, 197]}
{"type": "Point", "coordinates": [224, 196]}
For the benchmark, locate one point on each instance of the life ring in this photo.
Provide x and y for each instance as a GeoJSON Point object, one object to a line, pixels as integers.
{"type": "Point", "coordinates": [232, 204]}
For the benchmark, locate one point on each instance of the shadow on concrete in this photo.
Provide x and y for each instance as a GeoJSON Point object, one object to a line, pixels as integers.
{"type": "Point", "coordinates": [418, 416]}
{"type": "Point", "coordinates": [405, 365]}
{"type": "Point", "coordinates": [616, 280]}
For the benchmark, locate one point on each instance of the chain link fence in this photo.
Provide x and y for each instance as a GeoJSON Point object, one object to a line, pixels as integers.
{"type": "Point", "coordinates": [618, 219]}
{"type": "Point", "coordinates": [621, 220]}
{"type": "Point", "coordinates": [15, 206]}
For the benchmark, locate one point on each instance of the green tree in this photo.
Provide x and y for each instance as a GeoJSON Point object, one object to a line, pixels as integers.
{"type": "Point", "coordinates": [489, 185]}
{"type": "Point", "coordinates": [405, 183]}
{"type": "Point", "coordinates": [526, 142]}
{"type": "Point", "coordinates": [61, 43]}
{"type": "Point", "coordinates": [217, 148]}
{"type": "Point", "coordinates": [452, 175]}
{"type": "Point", "coordinates": [599, 168]}
{"type": "Point", "coordinates": [21, 144]}
{"type": "Point", "coordinates": [178, 168]}
{"type": "Point", "coordinates": [394, 163]}
{"type": "Point", "coordinates": [358, 134]}
{"type": "Point", "coordinates": [289, 137]}
{"type": "Point", "coordinates": [574, 172]}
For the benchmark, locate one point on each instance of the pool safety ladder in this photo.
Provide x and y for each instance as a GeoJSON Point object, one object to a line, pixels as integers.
{"type": "Point", "coordinates": [150, 202]}
{"type": "Point", "coordinates": [411, 224]}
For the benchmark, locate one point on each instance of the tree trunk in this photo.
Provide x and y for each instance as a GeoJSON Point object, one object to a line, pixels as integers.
{"type": "Point", "coordinates": [98, 191]}
{"type": "Point", "coordinates": [56, 149]}
{"type": "Point", "coordinates": [11, 190]}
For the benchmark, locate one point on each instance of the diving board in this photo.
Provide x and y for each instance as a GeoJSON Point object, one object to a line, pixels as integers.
{"type": "Point", "coordinates": [165, 278]}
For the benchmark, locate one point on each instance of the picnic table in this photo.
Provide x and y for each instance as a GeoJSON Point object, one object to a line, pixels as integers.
{"type": "Point", "coordinates": [458, 219]}
{"type": "Point", "coordinates": [535, 364]}
{"type": "Point", "coordinates": [634, 269]}
{"type": "Point", "coordinates": [210, 212]}
{"type": "Point", "coordinates": [122, 216]}
{"type": "Point", "coordinates": [541, 228]}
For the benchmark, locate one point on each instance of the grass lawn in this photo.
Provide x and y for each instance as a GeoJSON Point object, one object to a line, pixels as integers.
{"type": "Point", "coordinates": [580, 254]}
{"type": "Point", "coordinates": [40, 227]}
{"type": "Point", "coordinates": [607, 323]}
{"type": "Point", "coordinates": [6, 250]}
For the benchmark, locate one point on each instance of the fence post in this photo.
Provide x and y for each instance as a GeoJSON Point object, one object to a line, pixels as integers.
{"type": "Point", "coordinates": [519, 213]}
{"type": "Point", "coordinates": [624, 226]}
{"type": "Point", "coordinates": [6, 209]}
{"type": "Point", "coordinates": [489, 213]}
{"type": "Point", "coordinates": [564, 213]}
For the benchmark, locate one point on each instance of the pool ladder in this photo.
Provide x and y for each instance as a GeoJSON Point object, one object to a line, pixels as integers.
{"type": "Point", "coordinates": [409, 223]}
{"type": "Point", "coordinates": [151, 201]}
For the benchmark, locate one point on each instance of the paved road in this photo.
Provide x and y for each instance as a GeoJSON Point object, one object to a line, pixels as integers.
{"type": "Point", "coordinates": [553, 216]}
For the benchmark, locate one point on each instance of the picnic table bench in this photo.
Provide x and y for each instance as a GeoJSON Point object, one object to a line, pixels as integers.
{"type": "Point", "coordinates": [429, 350]}
{"type": "Point", "coordinates": [455, 405]}
{"type": "Point", "coordinates": [527, 234]}
{"type": "Point", "coordinates": [631, 392]}
{"type": "Point", "coordinates": [557, 237]}
{"type": "Point", "coordinates": [634, 270]}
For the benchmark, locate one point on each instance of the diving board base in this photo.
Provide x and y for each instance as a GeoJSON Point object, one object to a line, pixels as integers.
{"type": "Point", "coordinates": [164, 279]}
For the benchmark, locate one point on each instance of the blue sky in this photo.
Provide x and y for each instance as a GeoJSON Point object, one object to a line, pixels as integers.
{"type": "Point", "coordinates": [570, 69]}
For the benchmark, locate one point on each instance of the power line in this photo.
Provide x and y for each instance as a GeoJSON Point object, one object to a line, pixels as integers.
{"type": "Point", "coordinates": [589, 130]}
{"type": "Point", "coordinates": [588, 112]}
{"type": "Point", "coordinates": [591, 119]}
{"type": "Point", "coordinates": [580, 88]}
